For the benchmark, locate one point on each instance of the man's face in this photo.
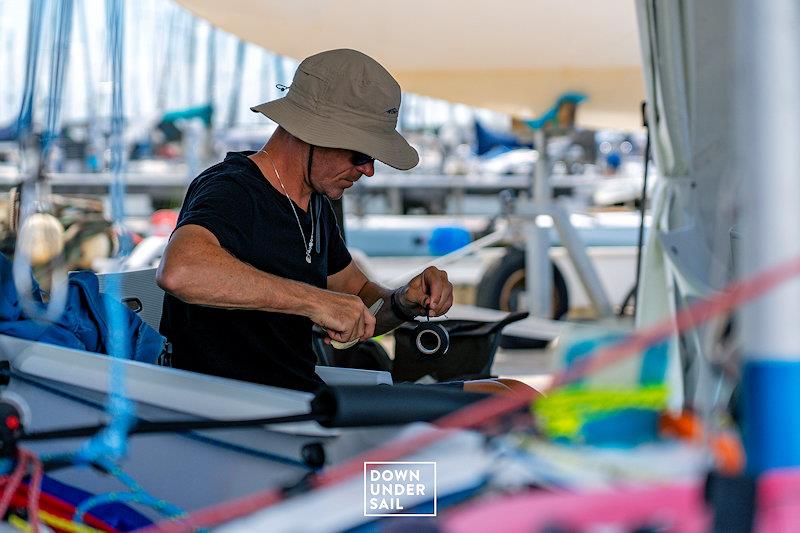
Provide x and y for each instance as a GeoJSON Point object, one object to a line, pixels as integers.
{"type": "Point", "coordinates": [333, 171]}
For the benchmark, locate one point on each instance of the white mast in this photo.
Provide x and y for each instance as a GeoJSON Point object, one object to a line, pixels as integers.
{"type": "Point", "coordinates": [769, 137]}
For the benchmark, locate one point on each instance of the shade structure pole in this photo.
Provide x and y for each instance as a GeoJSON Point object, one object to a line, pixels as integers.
{"type": "Point", "coordinates": [768, 136]}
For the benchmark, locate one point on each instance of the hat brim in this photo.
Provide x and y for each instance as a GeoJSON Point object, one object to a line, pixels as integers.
{"type": "Point", "coordinates": [390, 148]}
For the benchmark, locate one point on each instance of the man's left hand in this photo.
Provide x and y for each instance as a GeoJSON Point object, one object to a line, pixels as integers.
{"type": "Point", "coordinates": [429, 293]}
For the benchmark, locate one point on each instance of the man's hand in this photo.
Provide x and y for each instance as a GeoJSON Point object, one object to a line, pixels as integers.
{"type": "Point", "coordinates": [343, 316]}
{"type": "Point", "coordinates": [430, 293]}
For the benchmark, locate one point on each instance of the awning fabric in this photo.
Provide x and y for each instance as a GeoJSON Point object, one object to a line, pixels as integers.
{"type": "Point", "coordinates": [514, 56]}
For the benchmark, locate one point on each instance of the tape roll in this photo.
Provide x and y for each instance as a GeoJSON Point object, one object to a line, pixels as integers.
{"type": "Point", "coordinates": [374, 308]}
{"type": "Point", "coordinates": [432, 339]}
{"type": "Point", "coordinates": [344, 345]}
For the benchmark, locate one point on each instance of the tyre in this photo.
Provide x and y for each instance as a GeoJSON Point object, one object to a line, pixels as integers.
{"type": "Point", "coordinates": [503, 286]}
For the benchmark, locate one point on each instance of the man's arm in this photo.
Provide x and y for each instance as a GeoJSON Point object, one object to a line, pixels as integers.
{"type": "Point", "coordinates": [429, 292]}
{"type": "Point", "coordinates": [197, 270]}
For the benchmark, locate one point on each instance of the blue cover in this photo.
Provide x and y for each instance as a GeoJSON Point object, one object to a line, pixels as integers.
{"type": "Point", "coordinates": [487, 140]}
{"type": "Point", "coordinates": [83, 325]}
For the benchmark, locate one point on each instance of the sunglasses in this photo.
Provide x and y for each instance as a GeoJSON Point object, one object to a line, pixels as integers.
{"type": "Point", "coordinates": [358, 159]}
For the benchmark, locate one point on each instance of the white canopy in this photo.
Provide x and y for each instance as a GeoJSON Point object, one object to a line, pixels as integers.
{"type": "Point", "coordinates": [513, 56]}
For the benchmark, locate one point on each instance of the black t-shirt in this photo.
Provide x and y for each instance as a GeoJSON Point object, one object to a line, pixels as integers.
{"type": "Point", "coordinates": [254, 222]}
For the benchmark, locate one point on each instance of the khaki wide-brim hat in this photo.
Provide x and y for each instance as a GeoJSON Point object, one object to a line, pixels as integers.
{"type": "Point", "coordinates": [344, 99]}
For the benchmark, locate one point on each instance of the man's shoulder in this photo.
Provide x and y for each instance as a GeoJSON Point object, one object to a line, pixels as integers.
{"type": "Point", "coordinates": [234, 163]}
{"type": "Point", "coordinates": [225, 174]}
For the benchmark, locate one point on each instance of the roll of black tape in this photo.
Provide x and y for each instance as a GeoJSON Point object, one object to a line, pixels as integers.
{"type": "Point", "coordinates": [432, 339]}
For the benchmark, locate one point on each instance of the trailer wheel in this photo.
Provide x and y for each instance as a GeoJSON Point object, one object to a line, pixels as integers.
{"type": "Point", "coordinates": [503, 286]}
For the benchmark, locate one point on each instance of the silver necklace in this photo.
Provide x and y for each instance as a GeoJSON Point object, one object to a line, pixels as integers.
{"type": "Point", "coordinates": [297, 218]}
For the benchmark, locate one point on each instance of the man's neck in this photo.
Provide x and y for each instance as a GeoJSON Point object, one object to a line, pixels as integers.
{"type": "Point", "coordinates": [284, 169]}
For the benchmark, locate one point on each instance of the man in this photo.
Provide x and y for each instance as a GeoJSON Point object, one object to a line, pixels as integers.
{"type": "Point", "coordinates": [257, 257]}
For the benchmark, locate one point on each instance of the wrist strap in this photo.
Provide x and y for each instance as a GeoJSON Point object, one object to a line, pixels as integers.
{"type": "Point", "coordinates": [398, 310]}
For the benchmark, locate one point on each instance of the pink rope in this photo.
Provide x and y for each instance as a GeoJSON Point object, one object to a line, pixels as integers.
{"type": "Point", "coordinates": [34, 489]}
{"type": "Point", "coordinates": [14, 481]}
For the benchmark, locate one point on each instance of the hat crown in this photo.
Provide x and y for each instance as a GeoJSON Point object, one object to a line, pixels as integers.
{"type": "Point", "coordinates": [344, 99]}
{"type": "Point", "coordinates": [348, 85]}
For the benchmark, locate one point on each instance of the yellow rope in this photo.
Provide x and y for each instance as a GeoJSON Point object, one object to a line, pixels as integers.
{"type": "Point", "coordinates": [19, 523]}
{"type": "Point", "coordinates": [52, 520]}
{"type": "Point", "coordinates": [66, 525]}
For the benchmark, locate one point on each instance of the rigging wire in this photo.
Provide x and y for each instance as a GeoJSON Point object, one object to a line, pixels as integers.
{"type": "Point", "coordinates": [25, 118]}
{"type": "Point", "coordinates": [191, 60]}
{"type": "Point", "coordinates": [165, 76]}
{"type": "Point", "coordinates": [94, 136]}
{"type": "Point", "coordinates": [59, 62]}
{"type": "Point", "coordinates": [211, 69]}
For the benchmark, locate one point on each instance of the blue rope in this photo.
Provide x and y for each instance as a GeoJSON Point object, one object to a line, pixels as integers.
{"type": "Point", "coordinates": [25, 119]}
{"type": "Point", "coordinates": [111, 443]}
{"type": "Point", "coordinates": [163, 507]}
{"type": "Point", "coordinates": [137, 494]}
{"type": "Point", "coordinates": [59, 60]}
{"type": "Point", "coordinates": [115, 20]}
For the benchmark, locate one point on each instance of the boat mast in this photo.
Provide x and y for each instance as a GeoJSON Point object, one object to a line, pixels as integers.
{"type": "Point", "coordinates": [191, 61]}
{"type": "Point", "coordinates": [167, 64]}
{"type": "Point", "coordinates": [768, 137]}
{"type": "Point", "coordinates": [236, 85]}
{"type": "Point", "coordinates": [211, 60]}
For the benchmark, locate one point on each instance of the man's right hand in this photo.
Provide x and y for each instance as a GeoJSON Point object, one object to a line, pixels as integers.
{"type": "Point", "coordinates": [343, 316]}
